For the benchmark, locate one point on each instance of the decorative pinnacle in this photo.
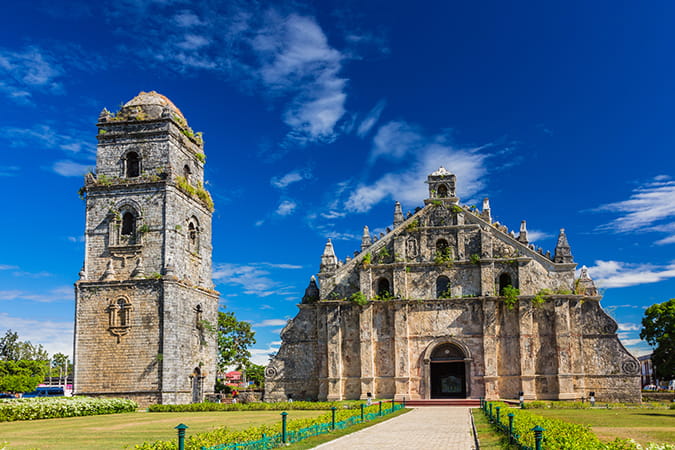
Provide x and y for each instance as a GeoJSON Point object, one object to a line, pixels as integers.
{"type": "Point", "coordinates": [365, 239]}
{"type": "Point", "coordinates": [398, 215]}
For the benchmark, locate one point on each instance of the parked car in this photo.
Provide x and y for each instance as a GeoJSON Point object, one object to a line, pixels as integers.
{"type": "Point", "coordinates": [45, 391]}
{"type": "Point", "coordinates": [650, 387]}
{"type": "Point", "coordinates": [5, 395]}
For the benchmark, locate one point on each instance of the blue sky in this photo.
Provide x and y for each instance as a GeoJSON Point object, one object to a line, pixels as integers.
{"type": "Point", "coordinates": [318, 116]}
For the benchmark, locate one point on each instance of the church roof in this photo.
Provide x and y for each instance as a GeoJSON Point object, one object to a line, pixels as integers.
{"type": "Point", "coordinates": [153, 103]}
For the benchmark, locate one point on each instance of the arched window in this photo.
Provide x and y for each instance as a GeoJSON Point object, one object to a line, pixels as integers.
{"type": "Point", "coordinates": [128, 224]}
{"type": "Point", "coordinates": [442, 191]}
{"type": "Point", "coordinates": [442, 246]}
{"type": "Point", "coordinates": [383, 289]}
{"type": "Point", "coordinates": [193, 235]}
{"type": "Point", "coordinates": [186, 173]}
{"type": "Point", "coordinates": [122, 313]}
{"type": "Point", "coordinates": [133, 165]}
{"type": "Point", "coordinates": [443, 287]}
{"type": "Point", "coordinates": [504, 280]}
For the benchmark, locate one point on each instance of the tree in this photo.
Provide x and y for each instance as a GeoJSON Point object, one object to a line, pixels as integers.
{"type": "Point", "coordinates": [658, 329]}
{"type": "Point", "coordinates": [61, 361]}
{"type": "Point", "coordinates": [255, 373]}
{"type": "Point", "coordinates": [21, 376]}
{"type": "Point", "coordinates": [234, 339]}
{"type": "Point", "coordinates": [11, 349]}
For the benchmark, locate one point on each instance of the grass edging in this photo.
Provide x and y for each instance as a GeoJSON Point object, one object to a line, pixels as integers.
{"type": "Point", "coordinates": [323, 438]}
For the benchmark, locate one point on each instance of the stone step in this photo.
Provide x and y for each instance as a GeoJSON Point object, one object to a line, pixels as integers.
{"type": "Point", "coordinates": [471, 402]}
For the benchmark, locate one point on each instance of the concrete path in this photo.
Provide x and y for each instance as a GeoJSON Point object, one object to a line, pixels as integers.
{"type": "Point", "coordinates": [429, 427]}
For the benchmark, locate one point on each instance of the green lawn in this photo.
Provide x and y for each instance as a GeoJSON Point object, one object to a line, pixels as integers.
{"type": "Point", "coordinates": [488, 437]}
{"type": "Point", "coordinates": [117, 431]}
{"type": "Point", "coordinates": [642, 425]}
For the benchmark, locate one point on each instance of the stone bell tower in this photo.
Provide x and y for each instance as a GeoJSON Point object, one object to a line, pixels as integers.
{"type": "Point", "coordinates": [146, 309]}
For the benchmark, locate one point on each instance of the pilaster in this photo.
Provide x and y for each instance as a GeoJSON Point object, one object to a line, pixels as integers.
{"type": "Point", "coordinates": [401, 352]}
{"type": "Point", "coordinates": [490, 349]}
{"type": "Point", "coordinates": [564, 349]}
{"type": "Point", "coordinates": [527, 350]}
{"type": "Point", "coordinates": [334, 355]}
{"type": "Point", "coordinates": [366, 351]}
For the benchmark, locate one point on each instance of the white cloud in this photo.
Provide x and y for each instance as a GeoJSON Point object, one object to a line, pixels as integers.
{"type": "Point", "coordinates": [290, 178]}
{"type": "Point", "coordinates": [187, 19]}
{"type": "Point", "coordinates": [28, 69]}
{"type": "Point", "coordinates": [58, 294]}
{"type": "Point", "coordinates": [55, 337]}
{"type": "Point", "coordinates": [193, 42]}
{"type": "Point", "coordinates": [261, 356]}
{"type": "Point", "coordinates": [8, 267]}
{"type": "Point", "coordinates": [271, 323]}
{"type": "Point", "coordinates": [252, 278]}
{"type": "Point", "coordinates": [285, 208]}
{"type": "Point", "coordinates": [651, 207]}
{"type": "Point", "coordinates": [69, 168]}
{"type": "Point", "coordinates": [616, 274]}
{"type": "Point", "coordinates": [423, 155]}
{"type": "Point", "coordinates": [629, 327]}
{"type": "Point", "coordinates": [9, 171]}
{"type": "Point", "coordinates": [371, 119]}
{"type": "Point", "coordinates": [536, 235]}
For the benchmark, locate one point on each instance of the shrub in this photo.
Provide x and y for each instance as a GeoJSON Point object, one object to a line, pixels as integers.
{"type": "Point", "coordinates": [359, 298]}
{"type": "Point", "coordinates": [49, 408]}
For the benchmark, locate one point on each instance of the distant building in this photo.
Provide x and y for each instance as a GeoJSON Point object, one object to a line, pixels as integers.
{"type": "Point", "coordinates": [430, 309]}
{"type": "Point", "coordinates": [145, 300]}
{"type": "Point", "coordinates": [646, 370]}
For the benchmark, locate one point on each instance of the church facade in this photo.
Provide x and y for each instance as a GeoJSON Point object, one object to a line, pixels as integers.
{"type": "Point", "coordinates": [145, 302]}
{"type": "Point", "coordinates": [449, 304]}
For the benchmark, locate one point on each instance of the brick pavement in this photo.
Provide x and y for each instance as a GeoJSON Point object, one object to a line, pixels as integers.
{"type": "Point", "coordinates": [429, 427]}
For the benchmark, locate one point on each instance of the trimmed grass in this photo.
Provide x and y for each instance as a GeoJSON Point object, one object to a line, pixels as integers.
{"type": "Point", "coordinates": [488, 437]}
{"type": "Point", "coordinates": [323, 438]}
{"type": "Point", "coordinates": [642, 425]}
{"type": "Point", "coordinates": [117, 431]}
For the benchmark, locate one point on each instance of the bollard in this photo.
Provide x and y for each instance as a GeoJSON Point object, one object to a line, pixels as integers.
{"type": "Point", "coordinates": [511, 415]}
{"type": "Point", "coordinates": [521, 399]}
{"type": "Point", "coordinates": [498, 408]}
{"type": "Point", "coordinates": [363, 415]}
{"type": "Point", "coordinates": [490, 405]}
{"type": "Point", "coordinates": [392, 405]}
{"type": "Point", "coordinates": [404, 402]}
{"type": "Point", "coordinates": [332, 423]}
{"type": "Point", "coordinates": [538, 436]}
{"type": "Point", "coordinates": [181, 435]}
{"type": "Point", "coordinates": [380, 413]}
{"type": "Point", "coordinates": [283, 426]}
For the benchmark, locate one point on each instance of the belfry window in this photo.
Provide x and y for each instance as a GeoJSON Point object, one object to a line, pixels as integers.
{"type": "Point", "coordinates": [193, 235]}
{"type": "Point", "coordinates": [442, 191]}
{"type": "Point", "coordinates": [122, 313]}
{"type": "Point", "coordinates": [441, 246]}
{"type": "Point", "coordinates": [504, 280]}
{"type": "Point", "coordinates": [187, 173]}
{"type": "Point", "coordinates": [119, 317]}
{"type": "Point", "coordinates": [383, 289]}
{"type": "Point", "coordinates": [443, 287]}
{"type": "Point", "coordinates": [128, 224]}
{"type": "Point", "coordinates": [133, 165]}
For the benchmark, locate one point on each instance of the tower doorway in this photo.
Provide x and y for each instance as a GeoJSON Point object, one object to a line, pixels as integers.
{"type": "Point", "coordinates": [448, 372]}
{"type": "Point", "coordinates": [197, 386]}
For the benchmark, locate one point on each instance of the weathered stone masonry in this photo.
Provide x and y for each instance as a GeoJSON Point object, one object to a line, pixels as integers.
{"type": "Point", "coordinates": [145, 299]}
{"type": "Point", "coordinates": [437, 322]}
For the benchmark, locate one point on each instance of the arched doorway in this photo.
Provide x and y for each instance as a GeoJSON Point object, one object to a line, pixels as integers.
{"type": "Point", "coordinates": [504, 280]}
{"type": "Point", "coordinates": [447, 375]}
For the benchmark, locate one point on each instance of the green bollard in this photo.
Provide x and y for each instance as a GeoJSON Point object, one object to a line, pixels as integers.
{"type": "Point", "coordinates": [283, 426]}
{"type": "Point", "coordinates": [490, 405]}
{"type": "Point", "coordinates": [511, 416]}
{"type": "Point", "coordinates": [380, 413]}
{"type": "Point", "coordinates": [392, 405]}
{"type": "Point", "coordinates": [181, 435]}
{"type": "Point", "coordinates": [403, 402]}
{"type": "Point", "coordinates": [363, 414]}
{"type": "Point", "coordinates": [332, 423]}
{"type": "Point", "coordinates": [498, 409]}
{"type": "Point", "coordinates": [538, 436]}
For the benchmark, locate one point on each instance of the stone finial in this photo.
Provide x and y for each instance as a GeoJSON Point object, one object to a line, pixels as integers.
{"type": "Point", "coordinates": [139, 271]}
{"type": "Point", "coordinates": [563, 251]}
{"type": "Point", "coordinates": [365, 239]}
{"type": "Point", "coordinates": [585, 284]}
{"type": "Point", "coordinates": [485, 213]}
{"type": "Point", "coordinates": [329, 261]}
{"type": "Point", "coordinates": [83, 274]}
{"type": "Point", "coordinates": [312, 292]}
{"type": "Point", "coordinates": [104, 115]}
{"type": "Point", "coordinates": [109, 273]}
{"type": "Point", "coordinates": [398, 215]}
{"type": "Point", "coordinates": [522, 237]}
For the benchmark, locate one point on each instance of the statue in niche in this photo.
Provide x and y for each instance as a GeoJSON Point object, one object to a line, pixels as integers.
{"type": "Point", "coordinates": [411, 248]}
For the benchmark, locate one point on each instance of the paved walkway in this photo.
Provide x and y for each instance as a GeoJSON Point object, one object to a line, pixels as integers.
{"type": "Point", "coordinates": [429, 427]}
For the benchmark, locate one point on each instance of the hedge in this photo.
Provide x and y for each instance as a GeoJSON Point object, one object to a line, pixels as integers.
{"type": "Point", "coordinates": [259, 406]}
{"type": "Point", "coordinates": [49, 408]}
